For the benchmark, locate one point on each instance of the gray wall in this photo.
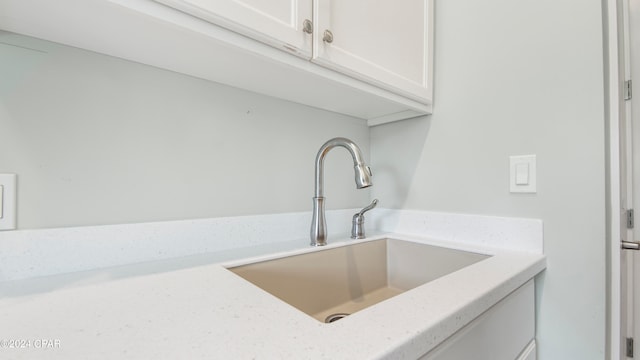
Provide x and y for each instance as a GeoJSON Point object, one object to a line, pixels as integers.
{"type": "Point", "coordinates": [517, 78]}
{"type": "Point", "coordinates": [97, 140]}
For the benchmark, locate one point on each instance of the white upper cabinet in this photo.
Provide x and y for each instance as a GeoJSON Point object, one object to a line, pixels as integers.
{"type": "Point", "coordinates": [377, 66]}
{"type": "Point", "coordinates": [386, 43]}
{"type": "Point", "coordinates": [279, 23]}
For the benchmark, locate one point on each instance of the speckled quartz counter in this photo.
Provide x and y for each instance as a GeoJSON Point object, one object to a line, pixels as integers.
{"type": "Point", "coordinates": [188, 309]}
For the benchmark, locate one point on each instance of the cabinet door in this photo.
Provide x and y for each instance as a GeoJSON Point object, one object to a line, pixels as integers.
{"type": "Point", "coordinates": [386, 43]}
{"type": "Point", "coordinates": [278, 23]}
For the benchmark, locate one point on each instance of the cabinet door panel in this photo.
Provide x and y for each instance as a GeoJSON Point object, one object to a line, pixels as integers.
{"type": "Point", "coordinates": [276, 22]}
{"type": "Point", "coordinates": [387, 43]}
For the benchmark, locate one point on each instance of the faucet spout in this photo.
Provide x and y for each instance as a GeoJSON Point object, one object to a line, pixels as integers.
{"type": "Point", "coordinates": [362, 178]}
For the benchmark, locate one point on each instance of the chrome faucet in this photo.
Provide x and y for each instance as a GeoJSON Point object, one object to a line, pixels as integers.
{"type": "Point", "coordinates": [363, 180]}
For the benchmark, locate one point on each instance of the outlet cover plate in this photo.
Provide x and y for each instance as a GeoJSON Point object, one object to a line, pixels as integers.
{"type": "Point", "coordinates": [8, 219]}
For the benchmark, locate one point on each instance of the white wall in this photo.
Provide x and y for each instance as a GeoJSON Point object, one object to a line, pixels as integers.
{"type": "Point", "coordinates": [98, 140]}
{"type": "Point", "coordinates": [517, 78]}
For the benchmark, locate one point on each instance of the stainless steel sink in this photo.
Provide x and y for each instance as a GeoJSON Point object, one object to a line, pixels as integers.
{"type": "Point", "coordinates": [347, 279]}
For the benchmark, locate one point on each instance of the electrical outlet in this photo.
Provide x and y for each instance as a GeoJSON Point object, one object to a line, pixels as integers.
{"type": "Point", "coordinates": [8, 201]}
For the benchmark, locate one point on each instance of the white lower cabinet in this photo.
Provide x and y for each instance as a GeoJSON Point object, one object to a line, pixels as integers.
{"type": "Point", "coordinates": [504, 332]}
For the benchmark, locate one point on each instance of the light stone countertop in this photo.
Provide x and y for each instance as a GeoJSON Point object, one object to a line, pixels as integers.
{"type": "Point", "coordinates": [193, 308]}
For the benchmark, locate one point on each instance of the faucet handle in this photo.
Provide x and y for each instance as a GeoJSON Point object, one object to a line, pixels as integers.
{"type": "Point", "coordinates": [357, 226]}
{"type": "Point", "coordinates": [368, 207]}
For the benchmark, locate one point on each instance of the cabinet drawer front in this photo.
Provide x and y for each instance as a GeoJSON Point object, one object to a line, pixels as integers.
{"type": "Point", "coordinates": [504, 332]}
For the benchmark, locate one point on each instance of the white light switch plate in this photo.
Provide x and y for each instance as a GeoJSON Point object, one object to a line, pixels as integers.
{"type": "Point", "coordinates": [1, 201]}
{"type": "Point", "coordinates": [8, 201]}
{"type": "Point", "coordinates": [522, 174]}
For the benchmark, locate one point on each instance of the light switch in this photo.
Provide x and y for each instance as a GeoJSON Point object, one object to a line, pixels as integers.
{"type": "Point", "coordinates": [522, 174]}
{"type": "Point", "coordinates": [7, 201]}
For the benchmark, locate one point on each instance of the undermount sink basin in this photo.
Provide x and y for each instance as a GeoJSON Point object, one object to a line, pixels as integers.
{"type": "Point", "coordinates": [343, 280]}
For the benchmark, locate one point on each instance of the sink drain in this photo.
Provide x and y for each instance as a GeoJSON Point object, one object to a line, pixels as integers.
{"type": "Point", "coordinates": [335, 317]}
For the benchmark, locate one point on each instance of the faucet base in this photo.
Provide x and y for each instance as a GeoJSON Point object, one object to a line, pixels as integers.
{"type": "Point", "coordinates": [318, 224]}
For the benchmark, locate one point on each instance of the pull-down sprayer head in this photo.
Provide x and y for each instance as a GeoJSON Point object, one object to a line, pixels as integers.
{"type": "Point", "coordinates": [363, 176]}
